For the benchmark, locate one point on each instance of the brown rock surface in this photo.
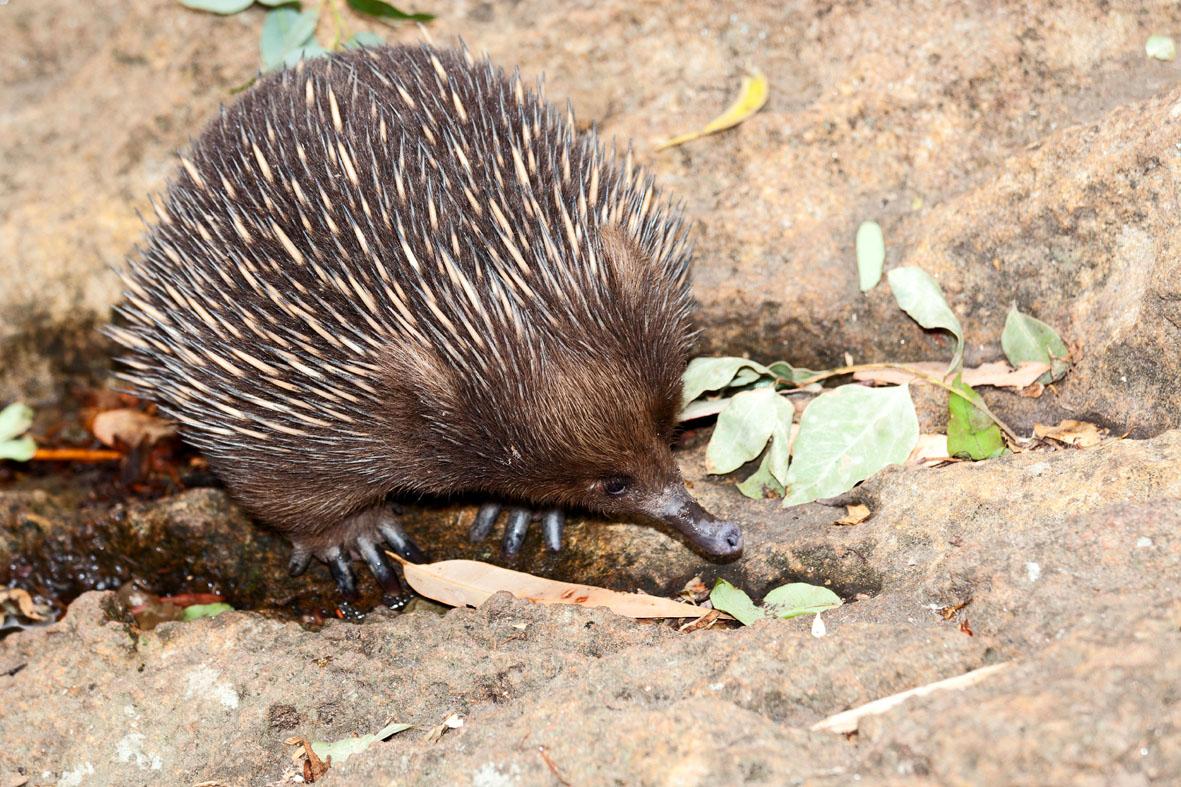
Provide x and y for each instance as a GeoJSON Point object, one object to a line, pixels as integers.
{"type": "Point", "coordinates": [1068, 564]}
{"type": "Point", "coordinates": [1017, 152]}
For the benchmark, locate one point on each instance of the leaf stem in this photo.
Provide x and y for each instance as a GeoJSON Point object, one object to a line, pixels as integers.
{"type": "Point", "coordinates": [917, 374]}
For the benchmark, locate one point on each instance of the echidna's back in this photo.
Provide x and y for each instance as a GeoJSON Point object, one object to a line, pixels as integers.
{"type": "Point", "coordinates": [377, 205]}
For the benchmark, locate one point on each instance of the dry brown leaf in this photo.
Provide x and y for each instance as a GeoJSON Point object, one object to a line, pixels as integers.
{"type": "Point", "coordinates": [997, 374]}
{"type": "Point", "coordinates": [1079, 433]}
{"type": "Point", "coordinates": [931, 449]}
{"type": "Point", "coordinates": [130, 427]}
{"type": "Point", "coordinates": [460, 583]}
{"type": "Point", "coordinates": [855, 514]}
{"type": "Point", "coordinates": [24, 602]}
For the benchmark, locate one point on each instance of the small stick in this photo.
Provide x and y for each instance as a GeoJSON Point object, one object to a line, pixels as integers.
{"type": "Point", "coordinates": [76, 455]}
{"type": "Point", "coordinates": [846, 722]}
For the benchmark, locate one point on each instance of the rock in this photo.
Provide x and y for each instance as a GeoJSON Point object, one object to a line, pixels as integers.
{"type": "Point", "coordinates": [1062, 563]}
{"type": "Point", "coordinates": [1039, 169]}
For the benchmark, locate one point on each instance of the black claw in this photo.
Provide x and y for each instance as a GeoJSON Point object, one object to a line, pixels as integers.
{"type": "Point", "coordinates": [379, 565]}
{"type": "Point", "coordinates": [552, 524]}
{"type": "Point", "coordinates": [515, 530]}
{"type": "Point", "coordinates": [485, 519]}
{"type": "Point", "coordinates": [342, 574]}
{"type": "Point", "coordinates": [396, 537]}
{"type": "Point", "coordinates": [299, 562]}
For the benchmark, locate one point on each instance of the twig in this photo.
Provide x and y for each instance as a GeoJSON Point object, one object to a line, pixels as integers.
{"type": "Point", "coordinates": [846, 722]}
{"type": "Point", "coordinates": [918, 374]}
{"type": "Point", "coordinates": [76, 455]}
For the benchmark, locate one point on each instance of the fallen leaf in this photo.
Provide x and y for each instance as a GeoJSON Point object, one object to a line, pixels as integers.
{"type": "Point", "coordinates": [459, 583]}
{"type": "Point", "coordinates": [1160, 47]}
{"type": "Point", "coordinates": [711, 374]}
{"type": "Point", "coordinates": [871, 253]}
{"type": "Point", "coordinates": [921, 297]}
{"type": "Point", "coordinates": [931, 449]}
{"type": "Point", "coordinates": [336, 752]}
{"type": "Point", "coordinates": [704, 622]}
{"type": "Point", "coordinates": [196, 611]}
{"type": "Point", "coordinates": [971, 433]}
{"type": "Point", "coordinates": [130, 427]}
{"type": "Point", "coordinates": [1079, 433]}
{"type": "Point", "coordinates": [24, 602]}
{"type": "Point", "coordinates": [1027, 338]}
{"type": "Point", "coordinates": [453, 722]}
{"type": "Point", "coordinates": [997, 374]}
{"type": "Point", "coordinates": [751, 97]}
{"type": "Point", "coordinates": [734, 601]}
{"type": "Point", "coordinates": [800, 598]}
{"type": "Point", "coordinates": [854, 515]}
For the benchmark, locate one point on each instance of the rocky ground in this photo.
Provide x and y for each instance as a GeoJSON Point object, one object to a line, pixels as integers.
{"type": "Point", "coordinates": [1018, 152]}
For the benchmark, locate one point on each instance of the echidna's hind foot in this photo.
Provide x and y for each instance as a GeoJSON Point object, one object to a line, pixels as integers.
{"type": "Point", "coordinates": [553, 521]}
{"type": "Point", "coordinates": [365, 535]}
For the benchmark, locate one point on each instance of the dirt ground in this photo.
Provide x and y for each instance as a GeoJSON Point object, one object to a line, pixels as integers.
{"type": "Point", "coordinates": [1019, 152]}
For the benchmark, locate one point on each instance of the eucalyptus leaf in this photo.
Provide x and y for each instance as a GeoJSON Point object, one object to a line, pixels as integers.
{"type": "Point", "coordinates": [224, 7]}
{"type": "Point", "coordinates": [197, 611]}
{"type": "Point", "coordinates": [763, 480]}
{"type": "Point", "coordinates": [341, 750]}
{"type": "Point", "coordinates": [1026, 338]}
{"type": "Point", "coordinates": [1161, 48]}
{"type": "Point", "coordinates": [744, 428]}
{"type": "Point", "coordinates": [734, 601]}
{"type": "Point", "coordinates": [786, 371]}
{"type": "Point", "coordinates": [364, 38]}
{"type": "Point", "coordinates": [920, 296]}
{"type": "Point", "coordinates": [384, 10]}
{"type": "Point", "coordinates": [799, 598]}
{"type": "Point", "coordinates": [285, 31]}
{"type": "Point", "coordinates": [971, 433]}
{"type": "Point", "coordinates": [871, 254]}
{"type": "Point", "coordinates": [15, 420]}
{"type": "Point", "coordinates": [846, 435]}
{"type": "Point", "coordinates": [710, 374]}
{"type": "Point", "coordinates": [307, 52]}
{"type": "Point", "coordinates": [20, 449]}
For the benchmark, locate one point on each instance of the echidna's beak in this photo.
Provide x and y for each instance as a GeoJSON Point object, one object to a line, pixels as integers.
{"type": "Point", "coordinates": [716, 538]}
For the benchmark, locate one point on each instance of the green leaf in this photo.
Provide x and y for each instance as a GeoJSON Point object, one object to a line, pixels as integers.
{"type": "Point", "coordinates": [971, 433]}
{"type": "Point", "coordinates": [1161, 48]}
{"type": "Point", "coordinates": [920, 296]}
{"type": "Point", "coordinates": [744, 427]}
{"type": "Point", "coordinates": [871, 253]}
{"type": "Point", "coordinates": [277, 3]}
{"type": "Point", "coordinates": [384, 10]}
{"type": "Point", "coordinates": [763, 480]}
{"type": "Point", "coordinates": [15, 420]}
{"type": "Point", "coordinates": [363, 39]}
{"type": "Point", "coordinates": [800, 598]}
{"type": "Point", "coordinates": [711, 374]}
{"type": "Point", "coordinates": [224, 7]}
{"type": "Point", "coordinates": [20, 449]}
{"type": "Point", "coordinates": [285, 31]}
{"type": "Point", "coordinates": [734, 601]}
{"type": "Point", "coordinates": [195, 611]}
{"type": "Point", "coordinates": [307, 52]}
{"type": "Point", "coordinates": [786, 371]}
{"type": "Point", "coordinates": [341, 750]}
{"type": "Point", "coordinates": [846, 435]}
{"type": "Point", "coordinates": [1028, 339]}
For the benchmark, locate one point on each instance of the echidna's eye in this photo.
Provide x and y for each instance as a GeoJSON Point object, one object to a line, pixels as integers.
{"type": "Point", "coordinates": [616, 486]}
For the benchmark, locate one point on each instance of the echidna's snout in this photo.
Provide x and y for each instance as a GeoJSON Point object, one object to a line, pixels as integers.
{"type": "Point", "coordinates": [716, 538]}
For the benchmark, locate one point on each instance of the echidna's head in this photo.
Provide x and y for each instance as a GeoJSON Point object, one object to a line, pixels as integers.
{"type": "Point", "coordinates": [580, 413]}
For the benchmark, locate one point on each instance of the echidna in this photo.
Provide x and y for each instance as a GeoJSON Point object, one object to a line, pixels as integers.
{"type": "Point", "coordinates": [398, 270]}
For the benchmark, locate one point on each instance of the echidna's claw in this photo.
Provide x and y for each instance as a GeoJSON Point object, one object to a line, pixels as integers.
{"type": "Point", "coordinates": [553, 521]}
{"type": "Point", "coordinates": [485, 519]}
{"type": "Point", "coordinates": [396, 537]}
{"type": "Point", "coordinates": [514, 531]}
{"type": "Point", "coordinates": [383, 572]}
{"type": "Point", "coordinates": [552, 524]}
{"type": "Point", "coordinates": [342, 574]}
{"type": "Point", "coordinates": [300, 559]}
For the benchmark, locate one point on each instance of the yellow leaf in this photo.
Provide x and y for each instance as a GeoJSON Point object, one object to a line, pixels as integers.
{"type": "Point", "coordinates": [855, 514]}
{"type": "Point", "coordinates": [751, 98]}
{"type": "Point", "coordinates": [469, 583]}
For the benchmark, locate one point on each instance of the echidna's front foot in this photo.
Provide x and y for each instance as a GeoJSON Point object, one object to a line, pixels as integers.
{"type": "Point", "coordinates": [517, 521]}
{"type": "Point", "coordinates": [366, 535]}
